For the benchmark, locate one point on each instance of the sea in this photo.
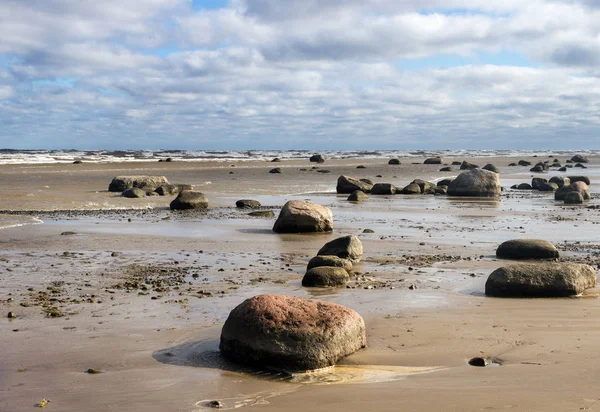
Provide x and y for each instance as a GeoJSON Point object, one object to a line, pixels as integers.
{"type": "Point", "coordinates": [15, 156]}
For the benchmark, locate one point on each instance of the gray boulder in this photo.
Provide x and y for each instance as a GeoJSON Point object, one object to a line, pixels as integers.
{"type": "Point", "coordinates": [579, 159]}
{"type": "Point", "coordinates": [411, 189]}
{"type": "Point", "coordinates": [383, 189]}
{"type": "Point", "coordinates": [537, 181]}
{"type": "Point", "coordinates": [527, 249]}
{"type": "Point", "coordinates": [540, 280]}
{"type": "Point", "coordinates": [476, 182]}
{"type": "Point", "coordinates": [298, 216]}
{"type": "Point", "coordinates": [120, 183]}
{"type": "Point", "coordinates": [324, 276]}
{"type": "Point", "coordinates": [189, 199]}
{"type": "Point", "coordinates": [467, 166]}
{"type": "Point", "coordinates": [433, 161]}
{"type": "Point", "coordinates": [329, 260]}
{"type": "Point", "coordinates": [424, 185]}
{"type": "Point", "coordinates": [172, 189]}
{"type": "Point", "coordinates": [133, 193]}
{"type": "Point", "coordinates": [445, 182]}
{"type": "Point", "coordinates": [346, 247]}
{"type": "Point", "coordinates": [291, 334]}
{"type": "Point", "coordinates": [358, 196]}
{"type": "Point", "coordinates": [347, 184]}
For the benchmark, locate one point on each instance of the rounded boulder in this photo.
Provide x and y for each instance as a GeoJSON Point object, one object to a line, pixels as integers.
{"type": "Point", "coordinates": [475, 182]}
{"type": "Point", "coordinates": [329, 260]}
{"type": "Point", "coordinates": [291, 334]}
{"type": "Point", "coordinates": [527, 249]}
{"type": "Point", "coordinates": [540, 280]}
{"type": "Point", "coordinates": [298, 216]}
{"type": "Point", "coordinates": [325, 276]}
{"type": "Point", "coordinates": [189, 199]}
{"type": "Point", "coordinates": [345, 247]}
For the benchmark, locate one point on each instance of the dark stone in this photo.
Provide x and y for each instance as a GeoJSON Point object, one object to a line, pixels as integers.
{"type": "Point", "coordinates": [584, 179]}
{"type": "Point", "coordinates": [346, 184]}
{"type": "Point", "coordinates": [467, 166]}
{"type": "Point", "coordinates": [276, 170]}
{"type": "Point", "coordinates": [411, 189]}
{"type": "Point", "coordinates": [560, 181]}
{"type": "Point", "coordinates": [317, 158]}
{"type": "Point", "coordinates": [247, 203]}
{"type": "Point", "coordinates": [445, 182]}
{"type": "Point", "coordinates": [491, 168]}
{"type": "Point", "coordinates": [573, 198]}
{"type": "Point", "coordinates": [524, 186]}
{"type": "Point", "coordinates": [548, 187]}
{"type": "Point", "coordinates": [331, 261]}
{"type": "Point", "coordinates": [433, 161]}
{"type": "Point", "coordinates": [383, 189]}
{"type": "Point", "coordinates": [456, 163]}
{"type": "Point", "coordinates": [446, 169]}
{"type": "Point", "coordinates": [358, 196]}
{"type": "Point", "coordinates": [537, 181]}
{"type": "Point", "coordinates": [324, 276]}
{"type": "Point", "coordinates": [276, 160]}
{"type": "Point", "coordinates": [394, 162]}
{"type": "Point", "coordinates": [291, 334]}
{"type": "Point", "coordinates": [262, 213]}
{"type": "Point", "coordinates": [579, 159]}
{"type": "Point", "coordinates": [524, 163]}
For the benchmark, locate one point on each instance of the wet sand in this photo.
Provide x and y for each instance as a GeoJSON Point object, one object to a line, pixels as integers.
{"type": "Point", "coordinates": [149, 316]}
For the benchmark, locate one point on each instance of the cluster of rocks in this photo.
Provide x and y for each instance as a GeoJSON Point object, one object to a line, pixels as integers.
{"type": "Point", "coordinates": [571, 190]}
{"type": "Point", "coordinates": [474, 182]}
{"type": "Point", "coordinates": [333, 264]}
{"type": "Point", "coordinates": [142, 186]}
{"type": "Point", "coordinates": [541, 279]}
{"type": "Point", "coordinates": [546, 165]}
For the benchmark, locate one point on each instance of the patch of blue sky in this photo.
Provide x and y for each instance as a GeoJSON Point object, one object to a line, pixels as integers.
{"type": "Point", "coordinates": [209, 4]}
{"type": "Point", "coordinates": [57, 81]}
{"type": "Point", "coordinates": [445, 61]}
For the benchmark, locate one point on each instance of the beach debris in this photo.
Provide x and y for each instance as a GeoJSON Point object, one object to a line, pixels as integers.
{"type": "Point", "coordinates": [291, 334]}
{"type": "Point", "coordinates": [482, 362]}
{"type": "Point", "coordinates": [247, 203]}
{"type": "Point", "coordinates": [43, 403]}
{"type": "Point", "coordinates": [347, 184]}
{"type": "Point", "coordinates": [358, 196]}
{"type": "Point", "coordinates": [299, 216]}
{"type": "Point", "coordinates": [120, 183]}
{"type": "Point", "coordinates": [527, 249]}
{"type": "Point", "coordinates": [346, 247]}
{"type": "Point", "coordinates": [189, 199]}
{"type": "Point", "coordinates": [475, 182]}
{"type": "Point", "coordinates": [383, 189]}
{"type": "Point", "coordinates": [540, 280]}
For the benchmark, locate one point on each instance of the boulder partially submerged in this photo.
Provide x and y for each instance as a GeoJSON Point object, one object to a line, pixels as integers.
{"type": "Point", "coordinates": [358, 196]}
{"type": "Point", "coordinates": [527, 249]}
{"type": "Point", "coordinates": [475, 182]}
{"type": "Point", "coordinates": [325, 276]}
{"type": "Point", "coordinates": [120, 183]}
{"type": "Point", "coordinates": [540, 280]}
{"type": "Point", "coordinates": [298, 216]}
{"type": "Point", "coordinates": [329, 260]}
{"type": "Point", "coordinates": [291, 334]}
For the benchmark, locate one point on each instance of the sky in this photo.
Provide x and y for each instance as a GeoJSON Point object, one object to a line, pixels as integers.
{"type": "Point", "coordinates": [300, 74]}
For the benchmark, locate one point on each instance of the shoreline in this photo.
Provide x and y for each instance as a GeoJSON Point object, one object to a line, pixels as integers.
{"type": "Point", "coordinates": [143, 300]}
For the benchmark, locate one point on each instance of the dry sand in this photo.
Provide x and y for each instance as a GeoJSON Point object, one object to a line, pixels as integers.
{"type": "Point", "coordinates": [149, 316]}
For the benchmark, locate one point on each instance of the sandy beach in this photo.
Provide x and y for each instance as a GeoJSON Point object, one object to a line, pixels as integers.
{"type": "Point", "coordinates": [144, 291]}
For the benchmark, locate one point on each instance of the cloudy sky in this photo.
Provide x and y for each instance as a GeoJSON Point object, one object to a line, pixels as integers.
{"type": "Point", "coordinates": [311, 74]}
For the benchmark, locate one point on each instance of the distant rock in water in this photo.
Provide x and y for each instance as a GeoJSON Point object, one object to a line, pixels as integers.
{"type": "Point", "coordinates": [317, 158]}
{"type": "Point", "coordinates": [291, 334]}
{"type": "Point", "coordinates": [540, 280]}
{"type": "Point", "coordinates": [120, 183]}
{"type": "Point", "coordinates": [298, 216]}
{"type": "Point", "coordinates": [527, 249]}
{"type": "Point", "coordinates": [475, 182]}
{"type": "Point", "coordinates": [189, 199]}
{"type": "Point", "coordinates": [433, 161]}
{"type": "Point", "coordinates": [579, 159]}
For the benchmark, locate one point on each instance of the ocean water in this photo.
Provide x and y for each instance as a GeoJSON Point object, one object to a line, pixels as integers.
{"type": "Point", "coordinates": [11, 156]}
